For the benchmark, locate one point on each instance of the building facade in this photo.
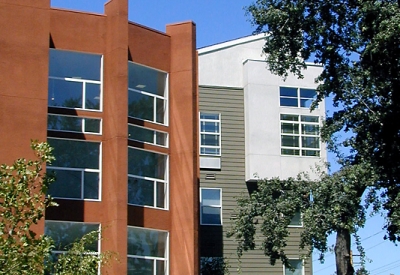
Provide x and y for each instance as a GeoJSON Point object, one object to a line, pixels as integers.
{"type": "Point", "coordinates": [118, 102]}
{"type": "Point", "coordinates": [253, 125]}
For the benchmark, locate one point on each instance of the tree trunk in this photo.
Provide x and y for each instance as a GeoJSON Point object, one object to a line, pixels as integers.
{"type": "Point", "coordinates": [342, 253]}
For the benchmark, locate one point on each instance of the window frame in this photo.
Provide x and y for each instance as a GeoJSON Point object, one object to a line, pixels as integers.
{"type": "Point", "coordinates": [295, 259]}
{"type": "Point", "coordinates": [165, 259]}
{"type": "Point", "coordinates": [300, 135]}
{"type": "Point", "coordinates": [83, 81]}
{"type": "Point", "coordinates": [165, 98]}
{"type": "Point", "coordinates": [82, 171]}
{"type": "Point", "coordinates": [298, 97]}
{"type": "Point", "coordinates": [154, 136]}
{"type": "Point", "coordinates": [155, 181]}
{"type": "Point", "coordinates": [211, 205]}
{"type": "Point", "coordinates": [219, 134]}
{"type": "Point", "coordinates": [83, 125]}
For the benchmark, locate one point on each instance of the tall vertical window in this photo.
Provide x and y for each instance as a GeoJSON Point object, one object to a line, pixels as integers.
{"type": "Point", "coordinates": [210, 134]}
{"type": "Point", "coordinates": [210, 206]}
{"type": "Point", "coordinates": [300, 135]}
{"type": "Point", "coordinates": [297, 97]}
{"type": "Point", "coordinates": [77, 169]}
{"type": "Point", "coordinates": [147, 93]}
{"type": "Point", "coordinates": [147, 178]}
{"type": "Point", "coordinates": [147, 251]}
{"type": "Point", "coordinates": [64, 233]}
{"type": "Point", "coordinates": [74, 80]}
{"type": "Point", "coordinates": [297, 267]}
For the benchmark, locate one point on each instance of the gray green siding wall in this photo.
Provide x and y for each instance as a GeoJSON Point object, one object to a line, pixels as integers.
{"type": "Point", "coordinates": [229, 102]}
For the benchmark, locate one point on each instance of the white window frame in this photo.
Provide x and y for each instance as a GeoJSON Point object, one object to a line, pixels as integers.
{"type": "Point", "coordinates": [296, 259]}
{"type": "Point", "coordinates": [155, 97]}
{"type": "Point", "coordinates": [82, 170]}
{"type": "Point", "coordinates": [84, 81]}
{"type": "Point", "coordinates": [165, 181]}
{"type": "Point", "coordinates": [83, 124]}
{"type": "Point", "coordinates": [218, 134]}
{"type": "Point", "coordinates": [300, 135]}
{"type": "Point", "coordinates": [298, 97]}
{"type": "Point", "coordinates": [211, 205]}
{"type": "Point", "coordinates": [154, 136]}
{"type": "Point", "coordinates": [155, 259]}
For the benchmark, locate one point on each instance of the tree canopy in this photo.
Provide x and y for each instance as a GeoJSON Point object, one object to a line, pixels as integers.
{"type": "Point", "coordinates": [357, 43]}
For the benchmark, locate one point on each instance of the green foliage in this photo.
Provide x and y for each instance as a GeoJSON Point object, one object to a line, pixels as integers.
{"type": "Point", "coordinates": [214, 266]}
{"type": "Point", "coordinates": [358, 44]}
{"type": "Point", "coordinates": [23, 188]}
{"type": "Point", "coordinates": [329, 204]}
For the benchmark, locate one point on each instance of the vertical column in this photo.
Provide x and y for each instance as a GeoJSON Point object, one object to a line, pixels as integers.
{"type": "Point", "coordinates": [115, 132]}
{"type": "Point", "coordinates": [24, 50]}
{"type": "Point", "coordinates": [184, 168]}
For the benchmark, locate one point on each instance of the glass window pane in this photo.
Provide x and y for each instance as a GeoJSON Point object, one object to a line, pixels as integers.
{"type": "Point", "coordinates": [309, 129]}
{"type": "Point", "coordinates": [92, 125]}
{"type": "Point", "coordinates": [209, 127]}
{"type": "Point", "coordinates": [290, 128]}
{"type": "Point", "coordinates": [92, 96]}
{"type": "Point", "coordinates": [160, 267]}
{"type": "Point", "coordinates": [145, 242]}
{"type": "Point", "coordinates": [146, 79]}
{"type": "Point", "coordinates": [310, 153]}
{"type": "Point", "coordinates": [287, 101]}
{"type": "Point", "coordinates": [307, 93]}
{"type": "Point", "coordinates": [138, 266]}
{"type": "Point", "coordinates": [68, 184]}
{"type": "Point", "coordinates": [286, 91]}
{"type": "Point", "coordinates": [140, 134]}
{"type": "Point", "coordinates": [65, 123]}
{"type": "Point", "coordinates": [291, 152]}
{"type": "Point", "coordinates": [160, 110]}
{"type": "Point", "coordinates": [74, 64]}
{"type": "Point", "coordinates": [306, 103]}
{"type": "Point", "coordinates": [75, 154]}
{"type": "Point", "coordinates": [209, 116]}
{"type": "Point", "coordinates": [161, 138]}
{"type": "Point", "coordinates": [209, 140]}
{"type": "Point", "coordinates": [140, 191]}
{"type": "Point", "coordinates": [65, 233]}
{"type": "Point", "coordinates": [64, 93]}
{"type": "Point", "coordinates": [211, 215]}
{"type": "Point", "coordinates": [298, 268]}
{"type": "Point", "coordinates": [310, 119]}
{"type": "Point", "coordinates": [211, 196]}
{"type": "Point", "coordinates": [160, 195]}
{"type": "Point", "coordinates": [296, 220]}
{"type": "Point", "coordinates": [140, 106]}
{"type": "Point", "coordinates": [146, 164]}
{"type": "Point", "coordinates": [290, 141]}
{"type": "Point", "coordinates": [209, 151]}
{"type": "Point", "coordinates": [289, 117]}
{"type": "Point", "coordinates": [310, 142]}
{"type": "Point", "coordinates": [91, 185]}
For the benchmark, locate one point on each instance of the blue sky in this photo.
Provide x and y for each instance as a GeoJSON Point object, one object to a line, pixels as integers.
{"type": "Point", "coordinates": [222, 20]}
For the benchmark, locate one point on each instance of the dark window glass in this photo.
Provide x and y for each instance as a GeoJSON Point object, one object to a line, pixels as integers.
{"type": "Point", "coordinates": [146, 79]}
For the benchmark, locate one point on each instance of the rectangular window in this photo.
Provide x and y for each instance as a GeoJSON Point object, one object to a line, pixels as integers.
{"type": "Point", "coordinates": [296, 220]}
{"type": "Point", "coordinates": [297, 97]}
{"type": "Point", "coordinates": [210, 134]}
{"type": "Point", "coordinates": [147, 251]}
{"type": "Point", "coordinates": [73, 124]}
{"type": "Point", "coordinates": [300, 135]}
{"type": "Point", "coordinates": [74, 80]}
{"type": "Point", "coordinates": [297, 267]}
{"type": "Point", "coordinates": [147, 135]}
{"type": "Point", "coordinates": [147, 93]}
{"type": "Point", "coordinates": [147, 178]}
{"type": "Point", "coordinates": [210, 206]}
{"type": "Point", "coordinates": [77, 169]}
{"type": "Point", "coordinates": [64, 233]}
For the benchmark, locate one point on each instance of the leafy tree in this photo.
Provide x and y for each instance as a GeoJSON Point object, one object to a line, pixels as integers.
{"type": "Point", "coordinates": [358, 44]}
{"type": "Point", "coordinates": [213, 266]}
{"type": "Point", "coordinates": [23, 188]}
